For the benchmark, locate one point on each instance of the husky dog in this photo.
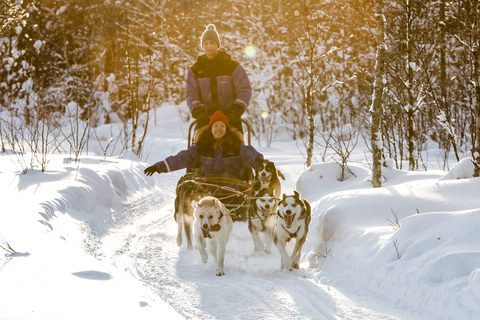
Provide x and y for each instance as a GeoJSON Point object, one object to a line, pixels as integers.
{"type": "Point", "coordinates": [212, 226]}
{"type": "Point", "coordinates": [189, 192]}
{"type": "Point", "coordinates": [269, 175]}
{"type": "Point", "coordinates": [262, 218]}
{"type": "Point", "coordinates": [293, 218]}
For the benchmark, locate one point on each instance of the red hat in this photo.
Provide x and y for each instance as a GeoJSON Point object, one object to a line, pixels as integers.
{"type": "Point", "coordinates": [218, 116]}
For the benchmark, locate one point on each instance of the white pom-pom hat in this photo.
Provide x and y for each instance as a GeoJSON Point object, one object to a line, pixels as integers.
{"type": "Point", "coordinates": [211, 34]}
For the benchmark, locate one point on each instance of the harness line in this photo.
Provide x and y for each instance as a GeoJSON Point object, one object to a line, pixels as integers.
{"type": "Point", "coordinates": [237, 192]}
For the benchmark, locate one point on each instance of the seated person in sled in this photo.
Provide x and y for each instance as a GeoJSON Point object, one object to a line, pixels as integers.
{"type": "Point", "coordinates": [219, 151]}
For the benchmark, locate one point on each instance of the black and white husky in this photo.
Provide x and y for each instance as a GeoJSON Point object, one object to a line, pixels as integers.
{"type": "Point", "coordinates": [293, 218]}
{"type": "Point", "coordinates": [262, 218]}
{"type": "Point", "coordinates": [269, 176]}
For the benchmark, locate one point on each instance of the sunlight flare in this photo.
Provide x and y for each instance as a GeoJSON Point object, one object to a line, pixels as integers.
{"type": "Point", "coordinates": [250, 51]}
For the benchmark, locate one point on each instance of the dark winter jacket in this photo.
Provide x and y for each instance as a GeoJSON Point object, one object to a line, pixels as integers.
{"type": "Point", "coordinates": [227, 157]}
{"type": "Point", "coordinates": [217, 84]}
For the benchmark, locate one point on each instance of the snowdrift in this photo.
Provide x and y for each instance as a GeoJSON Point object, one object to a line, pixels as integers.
{"type": "Point", "coordinates": [414, 241]}
{"type": "Point", "coordinates": [54, 221]}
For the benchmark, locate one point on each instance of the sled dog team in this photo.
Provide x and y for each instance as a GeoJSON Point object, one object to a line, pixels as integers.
{"type": "Point", "coordinates": [218, 92]}
{"type": "Point", "coordinates": [208, 223]}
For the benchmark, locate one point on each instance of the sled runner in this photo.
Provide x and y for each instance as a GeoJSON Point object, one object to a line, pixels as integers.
{"type": "Point", "coordinates": [234, 193]}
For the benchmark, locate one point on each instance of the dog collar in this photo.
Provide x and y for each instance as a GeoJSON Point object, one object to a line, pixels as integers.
{"type": "Point", "coordinates": [265, 215]}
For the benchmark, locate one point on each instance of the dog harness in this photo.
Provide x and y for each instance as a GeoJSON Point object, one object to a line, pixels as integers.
{"type": "Point", "coordinates": [266, 216]}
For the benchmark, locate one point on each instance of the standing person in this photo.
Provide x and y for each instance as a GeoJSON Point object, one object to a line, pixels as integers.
{"type": "Point", "coordinates": [217, 82]}
{"type": "Point", "coordinates": [219, 152]}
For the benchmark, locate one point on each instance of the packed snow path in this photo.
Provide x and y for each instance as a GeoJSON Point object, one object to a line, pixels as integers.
{"type": "Point", "coordinates": [254, 286]}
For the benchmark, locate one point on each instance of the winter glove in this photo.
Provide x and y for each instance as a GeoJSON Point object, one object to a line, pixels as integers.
{"type": "Point", "coordinates": [151, 170]}
{"type": "Point", "coordinates": [234, 113]}
{"type": "Point", "coordinates": [200, 113]}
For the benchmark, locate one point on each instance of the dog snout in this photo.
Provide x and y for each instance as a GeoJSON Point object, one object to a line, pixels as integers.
{"type": "Point", "coordinates": [205, 226]}
{"type": "Point", "coordinates": [267, 206]}
{"type": "Point", "coordinates": [289, 212]}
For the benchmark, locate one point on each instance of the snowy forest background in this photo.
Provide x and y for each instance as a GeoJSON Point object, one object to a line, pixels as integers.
{"type": "Point", "coordinates": [73, 71]}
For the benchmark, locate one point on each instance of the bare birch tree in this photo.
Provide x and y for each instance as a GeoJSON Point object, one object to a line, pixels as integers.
{"type": "Point", "coordinates": [376, 110]}
{"type": "Point", "coordinates": [465, 25]}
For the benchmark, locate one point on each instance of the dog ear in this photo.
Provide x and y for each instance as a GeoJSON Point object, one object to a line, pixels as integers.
{"type": "Point", "coordinates": [205, 201]}
{"type": "Point", "coordinates": [280, 174]}
{"type": "Point", "coordinates": [221, 207]}
{"type": "Point", "coordinates": [296, 194]}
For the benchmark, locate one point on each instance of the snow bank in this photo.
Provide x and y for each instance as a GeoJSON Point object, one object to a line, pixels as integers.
{"type": "Point", "coordinates": [54, 220]}
{"type": "Point", "coordinates": [412, 241]}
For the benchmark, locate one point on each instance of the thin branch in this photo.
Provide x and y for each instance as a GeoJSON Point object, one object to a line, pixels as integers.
{"type": "Point", "coordinates": [396, 222]}
{"type": "Point", "coordinates": [395, 244]}
{"type": "Point", "coordinates": [6, 246]}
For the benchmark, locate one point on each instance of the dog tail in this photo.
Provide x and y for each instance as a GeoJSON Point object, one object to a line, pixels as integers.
{"type": "Point", "coordinates": [280, 174]}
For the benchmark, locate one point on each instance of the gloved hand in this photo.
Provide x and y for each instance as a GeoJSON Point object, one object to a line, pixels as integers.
{"type": "Point", "coordinates": [200, 113]}
{"type": "Point", "coordinates": [234, 113]}
{"type": "Point", "coordinates": [151, 170]}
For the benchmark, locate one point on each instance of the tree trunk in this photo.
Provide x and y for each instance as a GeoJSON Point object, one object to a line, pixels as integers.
{"type": "Point", "coordinates": [411, 109]}
{"type": "Point", "coordinates": [443, 83]}
{"type": "Point", "coordinates": [377, 104]}
{"type": "Point", "coordinates": [411, 134]}
{"type": "Point", "coordinates": [476, 75]}
{"type": "Point", "coordinates": [311, 123]}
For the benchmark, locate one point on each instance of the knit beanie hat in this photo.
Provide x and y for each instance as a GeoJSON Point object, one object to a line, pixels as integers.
{"type": "Point", "coordinates": [218, 116]}
{"type": "Point", "coordinates": [211, 34]}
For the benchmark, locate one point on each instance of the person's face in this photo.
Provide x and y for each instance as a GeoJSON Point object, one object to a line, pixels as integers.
{"type": "Point", "coordinates": [219, 128]}
{"type": "Point", "coordinates": [211, 48]}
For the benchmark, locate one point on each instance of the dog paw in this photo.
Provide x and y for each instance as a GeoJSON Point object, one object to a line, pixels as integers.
{"type": "Point", "coordinates": [219, 274]}
{"type": "Point", "coordinates": [190, 246]}
{"type": "Point", "coordinates": [287, 266]}
{"type": "Point", "coordinates": [204, 258]}
{"type": "Point", "coordinates": [295, 266]}
{"type": "Point", "coordinates": [179, 241]}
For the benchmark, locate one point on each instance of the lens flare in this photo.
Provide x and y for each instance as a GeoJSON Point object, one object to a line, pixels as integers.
{"type": "Point", "coordinates": [264, 114]}
{"type": "Point", "coordinates": [250, 51]}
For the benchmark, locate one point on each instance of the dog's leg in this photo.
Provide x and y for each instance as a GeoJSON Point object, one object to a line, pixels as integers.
{"type": "Point", "coordinates": [286, 262]}
{"type": "Point", "coordinates": [253, 227]}
{"type": "Point", "coordinates": [297, 251]}
{"type": "Point", "coordinates": [221, 257]}
{"type": "Point", "coordinates": [270, 228]}
{"type": "Point", "coordinates": [179, 219]}
{"type": "Point", "coordinates": [280, 244]}
{"type": "Point", "coordinates": [212, 247]}
{"type": "Point", "coordinates": [188, 223]}
{"type": "Point", "coordinates": [201, 245]}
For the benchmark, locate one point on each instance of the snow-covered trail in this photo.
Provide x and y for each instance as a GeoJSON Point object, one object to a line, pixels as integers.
{"type": "Point", "coordinates": [254, 286]}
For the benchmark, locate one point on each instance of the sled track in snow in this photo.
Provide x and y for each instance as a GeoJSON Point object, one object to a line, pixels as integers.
{"type": "Point", "coordinates": [254, 287]}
